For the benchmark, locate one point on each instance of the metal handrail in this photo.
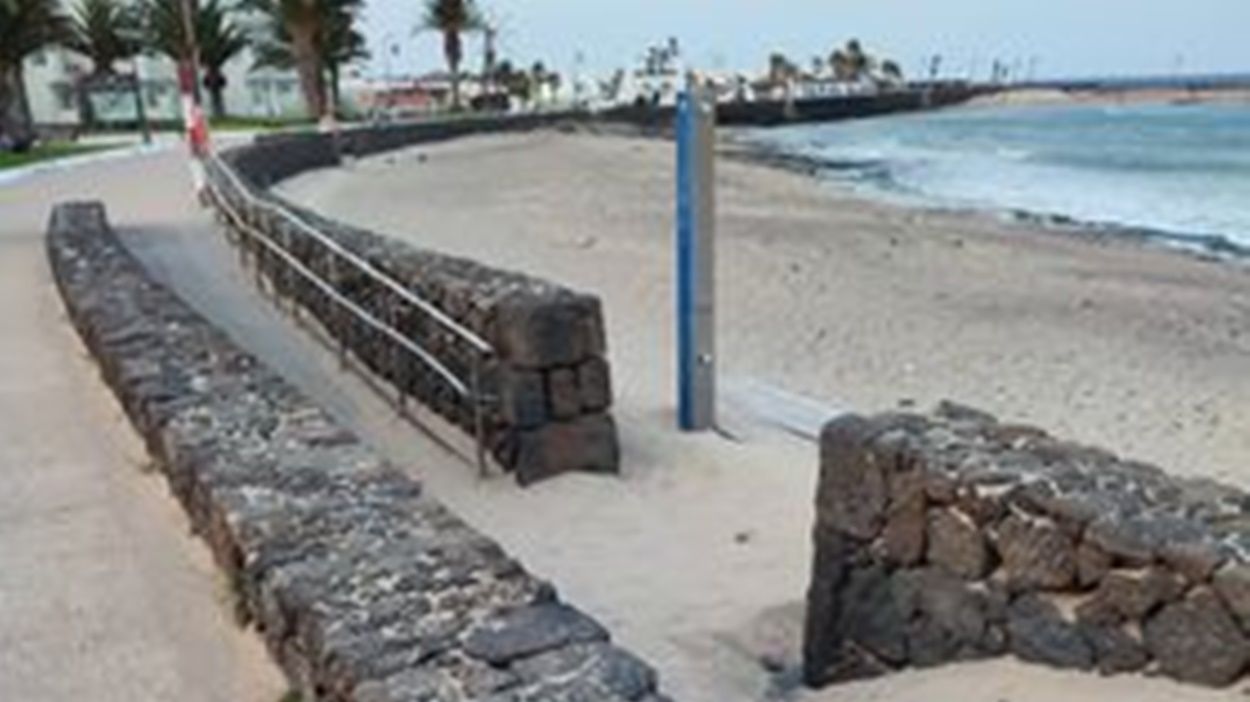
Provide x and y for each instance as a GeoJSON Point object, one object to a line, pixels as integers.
{"type": "Point", "coordinates": [369, 269]}
{"type": "Point", "coordinates": [470, 390]}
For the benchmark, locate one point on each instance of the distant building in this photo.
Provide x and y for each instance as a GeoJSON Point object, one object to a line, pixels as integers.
{"type": "Point", "coordinates": [53, 75]}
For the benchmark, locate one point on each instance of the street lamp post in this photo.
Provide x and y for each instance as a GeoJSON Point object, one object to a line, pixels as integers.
{"type": "Point", "coordinates": [188, 86]}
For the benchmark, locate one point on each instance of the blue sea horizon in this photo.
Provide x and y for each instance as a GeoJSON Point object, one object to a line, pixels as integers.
{"type": "Point", "coordinates": [1176, 172]}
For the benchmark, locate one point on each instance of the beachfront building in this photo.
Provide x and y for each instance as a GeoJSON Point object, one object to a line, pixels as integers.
{"type": "Point", "coordinates": [53, 77]}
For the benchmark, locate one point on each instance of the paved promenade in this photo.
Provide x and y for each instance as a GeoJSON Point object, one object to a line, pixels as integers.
{"type": "Point", "coordinates": [104, 595]}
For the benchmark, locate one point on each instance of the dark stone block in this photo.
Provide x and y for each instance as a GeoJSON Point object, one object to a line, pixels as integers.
{"type": "Point", "coordinates": [1196, 640]}
{"type": "Point", "coordinates": [870, 616]}
{"type": "Point", "coordinates": [1038, 633]}
{"type": "Point", "coordinates": [584, 444]}
{"type": "Point", "coordinates": [822, 638]}
{"type": "Point", "coordinates": [852, 493]}
{"type": "Point", "coordinates": [595, 383]}
{"type": "Point", "coordinates": [523, 398]}
{"type": "Point", "coordinates": [1232, 583]}
{"type": "Point", "coordinates": [536, 332]}
{"type": "Point", "coordinates": [530, 630]}
{"type": "Point", "coordinates": [1092, 563]}
{"type": "Point", "coordinates": [1035, 553]}
{"type": "Point", "coordinates": [1195, 561]}
{"type": "Point", "coordinates": [562, 393]}
{"type": "Point", "coordinates": [1135, 594]}
{"type": "Point", "coordinates": [612, 668]}
{"type": "Point", "coordinates": [1116, 650]}
{"type": "Point", "coordinates": [957, 544]}
{"type": "Point", "coordinates": [904, 535]}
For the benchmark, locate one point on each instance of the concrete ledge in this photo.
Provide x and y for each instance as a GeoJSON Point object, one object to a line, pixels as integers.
{"type": "Point", "coordinates": [550, 381]}
{"type": "Point", "coordinates": [951, 537]}
{"type": "Point", "coordinates": [364, 588]}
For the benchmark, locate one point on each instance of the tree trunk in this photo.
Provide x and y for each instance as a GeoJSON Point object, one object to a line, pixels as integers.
{"type": "Point", "coordinates": [452, 52]}
{"type": "Point", "coordinates": [15, 121]}
{"type": "Point", "coordinates": [333, 71]}
{"type": "Point", "coordinates": [217, 102]}
{"type": "Point", "coordinates": [308, 67]}
{"type": "Point", "coordinates": [86, 111]}
{"type": "Point", "coordinates": [215, 84]}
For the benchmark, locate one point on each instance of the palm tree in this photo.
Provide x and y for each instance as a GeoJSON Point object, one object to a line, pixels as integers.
{"type": "Point", "coordinates": [780, 69]}
{"type": "Point", "coordinates": [26, 26]}
{"type": "Point", "coordinates": [859, 62]}
{"type": "Point", "coordinates": [339, 44]}
{"type": "Point", "coordinates": [452, 18]}
{"type": "Point", "coordinates": [219, 40]}
{"type": "Point", "coordinates": [852, 64]}
{"type": "Point", "coordinates": [891, 72]}
{"type": "Point", "coordinates": [840, 66]}
{"type": "Point", "coordinates": [298, 29]}
{"type": "Point", "coordinates": [103, 30]}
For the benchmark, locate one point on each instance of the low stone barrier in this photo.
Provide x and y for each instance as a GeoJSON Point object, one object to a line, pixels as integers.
{"type": "Point", "coordinates": [951, 536]}
{"type": "Point", "coordinates": [549, 383]}
{"type": "Point", "coordinates": [364, 588]}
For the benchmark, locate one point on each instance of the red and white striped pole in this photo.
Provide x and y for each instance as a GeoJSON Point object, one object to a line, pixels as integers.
{"type": "Point", "coordinates": [194, 124]}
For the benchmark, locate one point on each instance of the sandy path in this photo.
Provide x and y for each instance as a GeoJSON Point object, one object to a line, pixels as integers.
{"type": "Point", "coordinates": [698, 558]}
{"type": "Point", "coordinates": [104, 595]}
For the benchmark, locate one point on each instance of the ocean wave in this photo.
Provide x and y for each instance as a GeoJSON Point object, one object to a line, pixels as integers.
{"type": "Point", "coordinates": [1181, 175]}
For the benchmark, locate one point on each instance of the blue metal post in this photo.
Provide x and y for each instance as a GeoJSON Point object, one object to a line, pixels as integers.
{"type": "Point", "coordinates": [695, 267]}
{"type": "Point", "coordinates": [685, 260]}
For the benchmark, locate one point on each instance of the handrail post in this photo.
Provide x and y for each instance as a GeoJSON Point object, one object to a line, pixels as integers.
{"type": "Point", "coordinates": [475, 397]}
{"type": "Point", "coordinates": [397, 358]}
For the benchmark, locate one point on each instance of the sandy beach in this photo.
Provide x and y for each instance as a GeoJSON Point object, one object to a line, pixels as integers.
{"type": "Point", "coordinates": [698, 557]}
{"type": "Point", "coordinates": [1050, 96]}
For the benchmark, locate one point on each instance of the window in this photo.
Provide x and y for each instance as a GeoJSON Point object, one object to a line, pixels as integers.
{"type": "Point", "coordinates": [64, 96]}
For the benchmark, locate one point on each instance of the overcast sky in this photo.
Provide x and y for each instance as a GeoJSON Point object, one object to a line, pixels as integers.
{"type": "Point", "coordinates": [1068, 38]}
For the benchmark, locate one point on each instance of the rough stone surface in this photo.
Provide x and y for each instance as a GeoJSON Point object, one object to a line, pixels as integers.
{"type": "Point", "coordinates": [948, 536]}
{"type": "Point", "coordinates": [1092, 563]}
{"type": "Point", "coordinates": [566, 400]}
{"type": "Point", "coordinates": [1039, 634]}
{"type": "Point", "coordinates": [1232, 582]}
{"type": "Point", "coordinates": [1135, 594]}
{"type": "Point", "coordinates": [584, 444]}
{"type": "Point", "coordinates": [549, 358]}
{"type": "Point", "coordinates": [905, 523]}
{"type": "Point", "coordinates": [957, 544]}
{"type": "Point", "coordinates": [594, 381]}
{"type": "Point", "coordinates": [1036, 553]}
{"type": "Point", "coordinates": [364, 588]}
{"type": "Point", "coordinates": [854, 497]}
{"type": "Point", "coordinates": [1196, 640]}
{"type": "Point", "coordinates": [1116, 650]}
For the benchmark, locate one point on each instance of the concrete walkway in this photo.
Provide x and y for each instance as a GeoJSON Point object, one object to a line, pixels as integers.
{"type": "Point", "coordinates": [104, 595]}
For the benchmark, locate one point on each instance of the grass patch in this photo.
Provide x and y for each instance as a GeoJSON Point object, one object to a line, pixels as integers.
{"type": "Point", "coordinates": [48, 152]}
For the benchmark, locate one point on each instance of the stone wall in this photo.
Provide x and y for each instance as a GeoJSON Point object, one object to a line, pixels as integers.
{"type": "Point", "coordinates": [951, 536]}
{"type": "Point", "coordinates": [364, 588]}
{"type": "Point", "coordinates": [549, 384]}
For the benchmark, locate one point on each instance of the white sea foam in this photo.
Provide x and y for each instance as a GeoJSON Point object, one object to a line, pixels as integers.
{"type": "Point", "coordinates": [1183, 170]}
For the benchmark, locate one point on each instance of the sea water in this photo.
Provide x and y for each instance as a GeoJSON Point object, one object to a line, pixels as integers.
{"type": "Point", "coordinates": [1179, 172]}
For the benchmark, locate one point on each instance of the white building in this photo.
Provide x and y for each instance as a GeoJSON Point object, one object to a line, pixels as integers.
{"type": "Point", "coordinates": [52, 76]}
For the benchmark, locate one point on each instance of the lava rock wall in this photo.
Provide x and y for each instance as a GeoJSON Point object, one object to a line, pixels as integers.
{"type": "Point", "coordinates": [364, 588]}
{"type": "Point", "coordinates": [952, 536]}
{"type": "Point", "coordinates": [549, 383]}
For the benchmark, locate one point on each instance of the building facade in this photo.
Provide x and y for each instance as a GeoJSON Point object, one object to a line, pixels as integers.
{"type": "Point", "coordinates": [53, 75]}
